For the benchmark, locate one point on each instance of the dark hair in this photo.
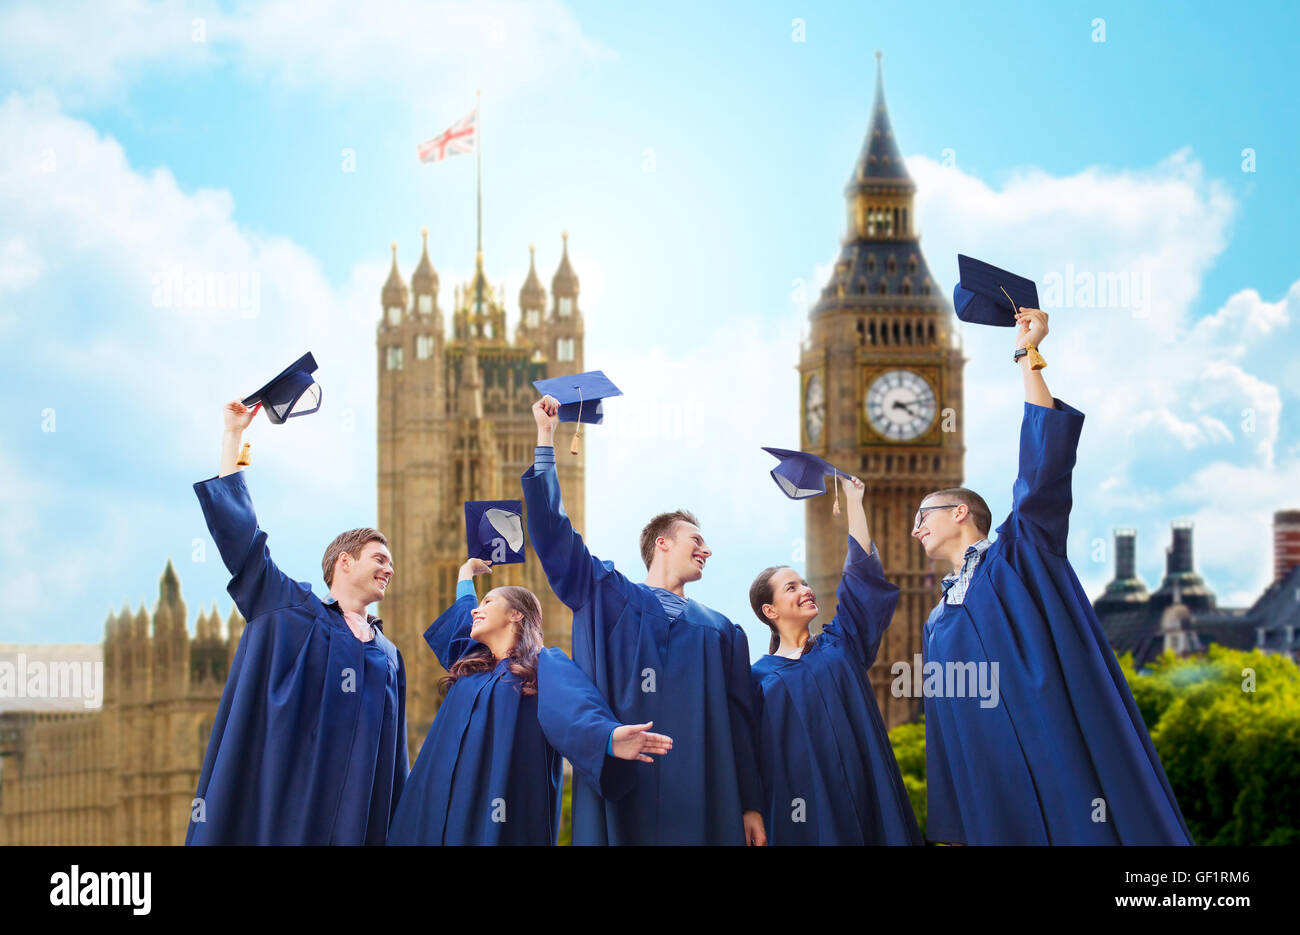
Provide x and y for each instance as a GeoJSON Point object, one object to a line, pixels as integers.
{"type": "Point", "coordinates": [523, 654]}
{"type": "Point", "coordinates": [662, 525]}
{"type": "Point", "coordinates": [351, 542]}
{"type": "Point", "coordinates": [979, 510]}
{"type": "Point", "coordinates": [760, 593]}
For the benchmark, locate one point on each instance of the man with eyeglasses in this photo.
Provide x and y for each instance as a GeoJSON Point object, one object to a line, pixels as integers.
{"type": "Point", "coordinates": [1061, 756]}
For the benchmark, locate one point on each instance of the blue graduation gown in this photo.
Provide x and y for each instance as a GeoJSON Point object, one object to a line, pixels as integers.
{"type": "Point", "coordinates": [1065, 735]}
{"type": "Point", "coordinates": [487, 773]}
{"type": "Point", "coordinates": [309, 741]}
{"type": "Point", "coordinates": [690, 677]}
{"type": "Point", "coordinates": [829, 773]}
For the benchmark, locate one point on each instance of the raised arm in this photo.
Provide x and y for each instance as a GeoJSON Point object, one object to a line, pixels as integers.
{"type": "Point", "coordinates": [573, 572]}
{"type": "Point", "coordinates": [257, 584]}
{"type": "Point", "coordinates": [448, 636]}
{"type": "Point", "coordinates": [866, 600]}
{"type": "Point", "coordinates": [1049, 443]}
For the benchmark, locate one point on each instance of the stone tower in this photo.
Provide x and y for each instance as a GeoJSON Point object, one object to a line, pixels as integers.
{"type": "Point", "coordinates": [455, 424]}
{"type": "Point", "coordinates": [881, 395]}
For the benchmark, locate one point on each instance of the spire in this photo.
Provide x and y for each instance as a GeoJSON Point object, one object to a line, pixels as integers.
{"type": "Point", "coordinates": [880, 161]}
{"type": "Point", "coordinates": [532, 295]}
{"type": "Point", "coordinates": [479, 285]}
{"type": "Point", "coordinates": [470, 401]}
{"type": "Point", "coordinates": [564, 284]}
{"type": "Point", "coordinates": [424, 281]}
{"type": "Point", "coordinates": [394, 294]}
{"type": "Point", "coordinates": [169, 586]}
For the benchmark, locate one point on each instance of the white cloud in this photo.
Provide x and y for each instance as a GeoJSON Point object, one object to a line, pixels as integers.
{"type": "Point", "coordinates": [137, 387]}
{"type": "Point", "coordinates": [1184, 413]}
{"type": "Point", "coordinates": [89, 51]}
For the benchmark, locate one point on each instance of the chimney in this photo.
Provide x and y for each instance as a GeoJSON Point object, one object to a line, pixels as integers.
{"type": "Point", "coordinates": [1126, 589]}
{"type": "Point", "coordinates": [1125, 553]}
{"type": "Point", "coordinates": [1178, 558]}
{"type": "Point", "coordinates": [1286, 542]}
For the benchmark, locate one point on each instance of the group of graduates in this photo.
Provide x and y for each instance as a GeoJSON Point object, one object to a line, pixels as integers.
{"type": "Point", "coordinates": [673, 736]}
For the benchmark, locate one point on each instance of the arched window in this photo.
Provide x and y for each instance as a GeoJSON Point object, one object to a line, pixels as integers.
{"type": "Point", "coordinates": [907, 287]}
{"type": "Point", "coordinates": [882, 287]}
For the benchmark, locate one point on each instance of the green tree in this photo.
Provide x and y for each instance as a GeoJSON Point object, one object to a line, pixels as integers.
{"type": "Point", "coordinates": [908, 741]}
{"type": "Point", "coordinates": [1228, 734]}
{"type": "Point", "coordinates": [1226, 725]}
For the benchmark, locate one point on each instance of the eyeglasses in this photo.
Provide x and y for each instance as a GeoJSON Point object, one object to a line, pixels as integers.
{"type": "Point", "coordinates": [920, 514]}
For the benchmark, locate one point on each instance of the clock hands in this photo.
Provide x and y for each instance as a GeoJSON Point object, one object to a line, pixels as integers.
{"type": "Point", "coordinates": [906, 407]}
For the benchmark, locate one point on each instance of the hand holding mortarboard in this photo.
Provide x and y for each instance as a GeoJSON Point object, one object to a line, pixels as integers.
{"type": "Point", "coordinates": [494, 530]}
{"type": "Point", "coordinates": [579, 398]}
{"type": "Point", "coordinates": [292, 392]}
{"type": "Point", "coordinates": [236, 417]}
{"type": "Point", "coordinates": [1032, 328]}
{"type": "Point", "coordinates": [986, 295]}
{"type": "Point", "coordinates": [801, 475]}
{"type": "Point", "coordinates": [854, 489]}
{"type": "Point", "coordinates": [472, 567]}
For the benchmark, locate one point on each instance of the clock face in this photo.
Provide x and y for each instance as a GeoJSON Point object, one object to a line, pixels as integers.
{"type": "Point", "coordinates": [900, 405]}
{"type": "Point", "coordinates": [814, 410]}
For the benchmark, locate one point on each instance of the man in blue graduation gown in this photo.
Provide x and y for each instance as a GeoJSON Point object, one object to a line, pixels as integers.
{"type": "Point", "coordinates": [1032, 735]}
{"type": "Point", "coordinates": [309, 741]}
{"type": "Point", "coordinates": [655, 656]}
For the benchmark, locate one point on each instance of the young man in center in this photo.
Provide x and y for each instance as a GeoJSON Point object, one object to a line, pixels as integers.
{"type": "Point", "coordinates": [658, 657]}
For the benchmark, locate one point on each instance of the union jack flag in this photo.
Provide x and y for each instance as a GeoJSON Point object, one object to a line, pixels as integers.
{"type": "Point", "coordinates": [458, 140]}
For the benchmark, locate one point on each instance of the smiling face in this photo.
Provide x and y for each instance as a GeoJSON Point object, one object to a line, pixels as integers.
{"type": "Point", "coordinates": [793, 601]}
{"type": "Point", "coordinates": [941, 525]}
{"type": "Point", "coordinates": [367, 575]}
{"type": "Point", "coordinates": [494, 619]}
{"type": "Point", "coordinates": [684, 551]}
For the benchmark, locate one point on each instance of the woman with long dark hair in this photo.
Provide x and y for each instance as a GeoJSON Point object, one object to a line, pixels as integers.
{"type": "Point", "coordinates": [829, 773]}
{"type": "Point", "coordinates": [490, 769]}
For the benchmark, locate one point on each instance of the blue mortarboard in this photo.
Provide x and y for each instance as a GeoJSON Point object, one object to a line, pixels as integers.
{"type": "Point", "coordinates": [984, 294]}
{"type": "Point", "coordinates": [801, 475]}
{"type": "Point", "coordinates": [579, 395]}
{"type": "Point", "coordinates": [291, 393]}
{"type": "Point", "coordinates": [494, 530]}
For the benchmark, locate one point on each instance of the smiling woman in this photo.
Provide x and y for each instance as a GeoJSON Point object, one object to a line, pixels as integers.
{"type": "Point", "coordinates": [829, 772]}
{"type": "Point", "coordinates": [489, 771]}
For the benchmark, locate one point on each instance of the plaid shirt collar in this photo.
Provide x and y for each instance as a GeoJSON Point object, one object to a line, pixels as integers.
{"type": "Point", "coordinates": [954, 585]}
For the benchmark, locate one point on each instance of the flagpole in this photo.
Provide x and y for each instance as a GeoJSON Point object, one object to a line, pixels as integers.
{"type": "Point", "coordinates": [478, 177]}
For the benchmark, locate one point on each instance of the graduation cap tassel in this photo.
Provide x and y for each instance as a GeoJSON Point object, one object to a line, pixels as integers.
{"type": "Point", "coordinates": [245, 458]}
{"type": "Point", "coordinates": [577, 432]}
{"type": "Point", "coordinates": [835, 480]}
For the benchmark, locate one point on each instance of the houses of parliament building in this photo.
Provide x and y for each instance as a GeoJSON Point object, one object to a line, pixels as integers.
{"type": "Point", "coordinates": [454, 424]}
{"type": "Point", "coordinates": [878, 377]}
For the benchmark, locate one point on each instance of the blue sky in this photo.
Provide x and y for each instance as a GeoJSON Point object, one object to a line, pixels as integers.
{"type": "Point", "coordinates": [1031, 143]}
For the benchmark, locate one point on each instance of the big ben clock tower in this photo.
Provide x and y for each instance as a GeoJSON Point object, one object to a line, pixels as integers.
{"type": "Point", "coordinates": [881, 396]}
